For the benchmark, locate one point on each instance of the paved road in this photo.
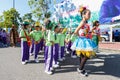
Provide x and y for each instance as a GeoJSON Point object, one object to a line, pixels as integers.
{"type": "Point", "coordinates": [106, 67]}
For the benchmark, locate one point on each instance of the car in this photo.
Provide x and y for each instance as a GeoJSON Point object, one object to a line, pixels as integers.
{"type": "Point", "coordinates": [104, 37]}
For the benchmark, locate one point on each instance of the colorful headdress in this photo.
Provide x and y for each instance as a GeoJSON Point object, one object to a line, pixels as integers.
{"type": "Point", "coordinates": [82, 8]}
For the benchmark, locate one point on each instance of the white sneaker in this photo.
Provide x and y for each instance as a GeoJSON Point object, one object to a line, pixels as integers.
{"type": "Point", "coordinates": [36, 60]}
{"type": "Point", "coordinates": [48, 72]}
{"type": "Point", "coordinates": [55, 66]}
{"type": "Point", "coordinates": [41, 51]}
{"type": "Point", "coordinates": [23, 62]}
{"type": "Point", "coordinates": [67, 52]}
{"type": "Point", "coordinates": [61, 59]}
{"type": "Point", "coordinates": [51, 68]}
{"type": "Point", "coordinates": [58, 63]}
{"type": "Point", "coordinates": [74, 56]}
{"type": "Point", "coordinates": [31, 54]}
{"type": "Point", "coordinates": [27, 61]}
{"type": "Point", "coordinates": [82, 72]}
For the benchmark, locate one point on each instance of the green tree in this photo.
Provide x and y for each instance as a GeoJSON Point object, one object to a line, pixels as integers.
{"type": "Point", "coordinates": [29, 17]}
{"type": "Point", "coordinates": [1, 21]}
{"type": "Point", "coordinates": [11, 17]}
{"type": "Point", "coordinates": [40, 8]}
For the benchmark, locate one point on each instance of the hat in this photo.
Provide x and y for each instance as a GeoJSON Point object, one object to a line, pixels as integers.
{"type": "Point", "coordinates": [26, 23]}
{"type": "Point", "coordinates": [37, 24]}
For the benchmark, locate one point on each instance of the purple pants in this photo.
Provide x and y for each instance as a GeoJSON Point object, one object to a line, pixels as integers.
{"type": "Point", "coordinates": [4, 40]}
{"type": "Point", "coordinates": [36, 50]}
{"type": "Point", "coordinates": [32, 47]}
{"type": "Point", "coordinates": [55, 53]}
{"type": "Point", "coordinates": [42, 44]}
{"type": "Point", "coordinates": [48, 57]}
{"type": "Point", "coordinates": [69, 46]}
{"type": "Point", "coordinates": [25, 50]}
{"type": "Point", "coordinates": [61, 52]}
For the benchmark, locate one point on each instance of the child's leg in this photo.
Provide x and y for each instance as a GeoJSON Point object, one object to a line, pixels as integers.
{"type": "Point", "coordinates": [37, 47]}
{"type": "Point", "coordinates": [48, 58]}
{"type": "Point", "coordinates": [27, 52]}
{"type": "Point", "coordinates": [81, 70]}
{"type": "Point", "coordinates": [24, 50]}
{"type": "Point", "coordinates": [32, 48]}
{"type": "Point", "coordinates": [62, 51]}
{"type": "Point", "coordinates": [55, 53]}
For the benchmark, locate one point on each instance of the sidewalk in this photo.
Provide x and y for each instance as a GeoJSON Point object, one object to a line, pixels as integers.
{"type": "Point", "coordinates": [114, 46]}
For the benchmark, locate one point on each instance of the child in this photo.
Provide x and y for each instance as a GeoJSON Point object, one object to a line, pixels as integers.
{"type": "Point", "coordinates": [49, 47]}
{"type": "Point", "coordinates": [24, 42]}
{"type": "Point", "coordinates": [68, 36]}
{"type": "Point", "coordinates": [73, 38]}
{"type": "Point", "coordinates": [56, 47]}
{"type": "Point", "coordinates": [32, 44]}
{"type": "Point", "coordinates": [36, 35]}
{"type": "Point", "coordinates": [83, 45]}
{"type": "Point", "coordinates": [96, 33]}
{"type": "Point", "coordinates": [62, 45]}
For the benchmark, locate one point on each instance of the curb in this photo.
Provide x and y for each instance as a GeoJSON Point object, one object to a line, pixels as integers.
{"type": "Point", "coordinates": [109, 50]}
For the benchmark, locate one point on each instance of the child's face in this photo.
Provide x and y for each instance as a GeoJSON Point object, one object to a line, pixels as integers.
{"type": "Point", "coordinates": [37, 28]}
{"type": "Point", "coordinates": [57, 30]}
{"type": "Point", "coordinates": [87, 15]}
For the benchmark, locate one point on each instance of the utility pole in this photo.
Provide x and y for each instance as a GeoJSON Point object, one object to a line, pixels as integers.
{"type": "Point", "coordinates": [14, 4]}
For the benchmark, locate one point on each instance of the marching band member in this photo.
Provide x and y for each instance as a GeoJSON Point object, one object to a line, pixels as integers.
{"type": "Point", "coordinates": [25, 42]}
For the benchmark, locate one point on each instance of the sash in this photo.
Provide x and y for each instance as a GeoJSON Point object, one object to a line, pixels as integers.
{"type": "Point", "coordinates": [28, 38]}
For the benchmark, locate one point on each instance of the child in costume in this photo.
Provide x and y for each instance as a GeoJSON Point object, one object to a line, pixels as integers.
{"type": "Point", "coordinates": [83, 45]}
{"type": "Point", "coordinates": [24, 35]}
{"type": "Point", "coordinates": [49, 47]}
{"type": "Point", "coordinates": [36, 35]}
{"type": "Point", "coordinates": [96, 33]}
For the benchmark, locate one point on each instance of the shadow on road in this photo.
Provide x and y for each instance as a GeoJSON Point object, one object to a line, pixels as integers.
{"type": "Point", "coordinates": [110, 65]}
{"type": "Point", "coordinates": [103, 65]}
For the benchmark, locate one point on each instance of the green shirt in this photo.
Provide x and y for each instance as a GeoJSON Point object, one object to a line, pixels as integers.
{"type": "Point", "coordinates": [49, 38]}
{"type": "Point", "coordinates": [36, 35]}
{"type": "Point", "coordinates": [68, 37]}
{"type": "Point", "coordinates": [73, 37]}
{"type": "Point", "coordinates": [22, 34]}
{"type": "Point", "coordinates": [62, 39]}
{"type": "Point", "coordinates": [56, 38]}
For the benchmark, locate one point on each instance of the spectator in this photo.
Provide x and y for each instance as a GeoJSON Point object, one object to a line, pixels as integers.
{"type": "Point", "coordinates": [4, 38]}
{"type": "Point", "coordinates": [13, 36]}
{"type": "Point", "coordinates": [116, 35]}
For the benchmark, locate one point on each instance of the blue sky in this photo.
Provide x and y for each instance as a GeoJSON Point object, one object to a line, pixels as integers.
{"type": "Point", "coordinates": [21, 6]}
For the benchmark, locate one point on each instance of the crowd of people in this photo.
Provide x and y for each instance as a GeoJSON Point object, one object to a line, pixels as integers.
{"type": "Point", "coordinates": [9, 38]}
{"type": "Point", "coordinates": [4, 38]}
{"type": "Point", "coordinates": [54, 41]}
